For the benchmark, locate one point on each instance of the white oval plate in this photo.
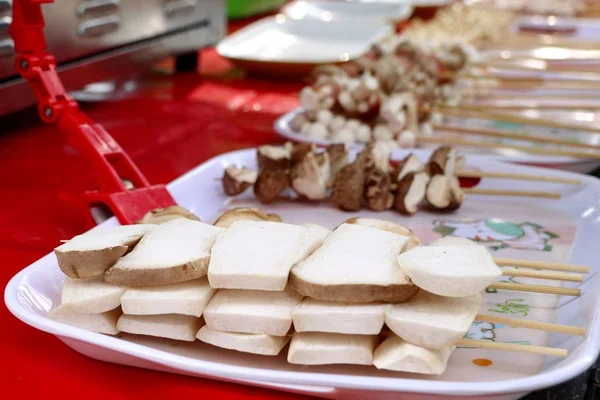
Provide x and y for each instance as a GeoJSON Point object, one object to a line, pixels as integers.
{"type": "Point", "coordinates": [283, 128]}
{"type": "Point", "coordinates": [348, 10]}
{"type": "Point", "coordinates": [574, 221]}
{"type": "Point", "coordinates": [279, 39]}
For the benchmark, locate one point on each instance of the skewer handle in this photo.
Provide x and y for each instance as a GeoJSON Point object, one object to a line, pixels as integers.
{"type": "Point", "coordinates": [502, 192]}
{"type": "Point", "coordinates": [556, 276]}
{"type": "Point", "coordinates": [488, 344]}
{"type": "Point", "coordinates": [542, 265]}
{"type": "Point", "coordinates": [524, 323]}
{"type": "Point", "coordinates": [561, 291]}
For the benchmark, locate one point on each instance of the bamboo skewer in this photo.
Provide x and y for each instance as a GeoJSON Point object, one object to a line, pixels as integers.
{"type": "Point", "coordinates": [556, 276]}
{"type": "Point", "coordinates": [523, 323]}
{"type": "Point", "coordinates": [503, 175]}
{"type": "Point", "coordinates": [562, 291]}
{"type": "Point", "coordinates": [526, 149]}
{"type": "Point", "coordinates": [532, 80]}
{"type": "Point", "coordinates": [561, 107]}
{"type": "Point", "coordinates": [456, 112]}
{"type": "Point", "coordinates": [503, 64]}
{"type": "Point", "coordinates": [488, 344]}
{"type": "Point", "coordinates": [542, 265]}
{"type": "Point", "coordinates": [503, 192]}
{"type": "Point", "coordinates": [510, 135]}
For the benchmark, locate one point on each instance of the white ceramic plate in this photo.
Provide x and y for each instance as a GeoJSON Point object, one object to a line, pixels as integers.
{"type": "Point", "coordinates": [348, 10]}
{"type": "Point", "coordinates": [279, 39]}
{"type": "Point", "coordinates": [283, 128]}
{"type": "Point", "coordinates": [556, 230]}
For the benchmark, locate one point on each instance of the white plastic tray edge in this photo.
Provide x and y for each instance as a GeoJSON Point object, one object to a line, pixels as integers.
{"type": "Point", "coordinates": [587, 350]}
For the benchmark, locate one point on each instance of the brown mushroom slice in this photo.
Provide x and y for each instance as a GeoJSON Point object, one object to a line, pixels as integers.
{"type": "Point", "coordinates": [410, 163]}
{"type": "Point", "coordinates": [244, 213]}
{"type": "Point", "coordinates": [162, 215]}
{"type": "Point", "coordinates": [270, 184]}
{"type": "Point", "coordinates": [338, 158]}
{"type": "Point", "coordinates": [442, 162]}
{"type": "Point", "coordinates": [274, 157]}
{"type": "Point", "coordinates": [388, 227]}
{"type": "Point", "coordinates": [300, 150]}
{"type": "Point", "coordinates": [411, 192]}
{"type": "Point", "coordinates": [237, 180]}
{"type": "Point", "coordinates": [309, 178]}
{"type": "Point", "coordinates": [378, 191]}
{"type": "Point", "coordinates": [348, 187]}
{"type": "Point", "coordinates": [444, 194]}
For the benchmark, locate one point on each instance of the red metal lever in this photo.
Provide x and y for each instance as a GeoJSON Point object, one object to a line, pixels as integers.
{"type": "Point", "coordinates": [112, 166]}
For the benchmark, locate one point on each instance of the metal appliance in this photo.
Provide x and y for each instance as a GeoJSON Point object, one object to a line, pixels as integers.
{"type": "Point", "coordinates": [96, 40]}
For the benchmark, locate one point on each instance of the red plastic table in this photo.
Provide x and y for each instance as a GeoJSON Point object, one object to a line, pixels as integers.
{"type": "Point", "coordinates": [173, 124]}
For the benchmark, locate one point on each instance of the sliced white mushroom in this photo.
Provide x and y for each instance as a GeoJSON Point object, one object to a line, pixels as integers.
{"type": "Point", "coordinates": [170, 326]}
{"type": "Point", "coordinates": [91, 296]}
{"type": "Point", "coordinates": [186, 298]}
{"type": "Point", "coordinates": [317, 348]}
{"type": "Point", "coordinates": [258, 255]}
{"type": "Point", "coordinates": [397, 355]}
{"type": "Point", "coordinates": [432, 321]}
{"type": "Point", "coordinates": [338, 317]}
{"type": "Point", "coordinates": [310, 177]}
{"type": "Point", "coordinates": [105, 322]}
{"type": "Point", "coordinates": [244, 342]}
{"type": "Point", "coordinates": [451, 271]}
{"type": "Point", "coordinates": [252, 311]}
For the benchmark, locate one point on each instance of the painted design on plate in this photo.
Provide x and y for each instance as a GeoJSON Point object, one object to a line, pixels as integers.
{"type": "Point", "coordinates": [498, 234]}
{"type": "Point", "coordinates": [512, 306]}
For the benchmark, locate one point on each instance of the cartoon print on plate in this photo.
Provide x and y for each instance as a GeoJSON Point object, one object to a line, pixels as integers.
{"type": "Point", "coordinates": [498, 234]}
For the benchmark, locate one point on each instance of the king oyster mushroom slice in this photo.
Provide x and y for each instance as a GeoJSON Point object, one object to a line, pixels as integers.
{"type": "Point", "coordinates": [244, 213]}
{"type": "Point", "coordinates": [387, 226]}
{"type": "Point", "coordinates": [162, 215]}
{"type": "Point", "coordinates": [310, 177]}
{"type": "Point", "coordinates": [444, 194]}
{"type": "Point", "coordinates": [411, 192]}
{"type": "Point", "coordinates": [237, 180]}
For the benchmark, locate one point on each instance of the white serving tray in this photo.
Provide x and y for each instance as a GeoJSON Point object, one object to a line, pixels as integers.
{"type": "Point", "coordinates": [283, 129]}
{"type": "Point", "coordinates": [574, 219]}
{"type": "Point", "coordinates": [348, 10]}
{"type": "Point", "coordinates": [279, 39]}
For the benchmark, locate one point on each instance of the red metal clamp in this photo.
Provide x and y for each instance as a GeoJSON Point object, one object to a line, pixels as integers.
{"type": "Point", "coordinates": [113, 167]}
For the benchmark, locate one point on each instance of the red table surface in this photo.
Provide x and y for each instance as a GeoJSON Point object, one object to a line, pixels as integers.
{"type": "Point", "coordinates": [171, 125]}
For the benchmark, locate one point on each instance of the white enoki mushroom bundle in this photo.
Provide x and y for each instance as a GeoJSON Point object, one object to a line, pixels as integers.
{"type": "Point", "coordinates": [384, 95]}
{"type": "Point", "coordinates": [370, 180]}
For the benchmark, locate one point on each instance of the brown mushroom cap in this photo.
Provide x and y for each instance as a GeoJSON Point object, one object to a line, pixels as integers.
{"type": "Point", "coordinates": [273, 157]}
{"type": "Point", "coordinates": [300, 150]}
{"type": "Point", "coordinates": [270, 183]}
{"type": "Point", "coordinates": [236, 180]}
{"type": "Point", "coordinates": [442, 162]}
{"type": "Point", "coordinates": [162, 215]}
{"type": "Point", "coordinates": [443, 193]}
{"type": "Point", "coordinates": [378, 192]}
{"type": "Point", "coordinates": [348, 187]}
{"type": "Point", "coordinates": [244, 213]}
{"type": "Point", "coordinates": [411, 192]}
